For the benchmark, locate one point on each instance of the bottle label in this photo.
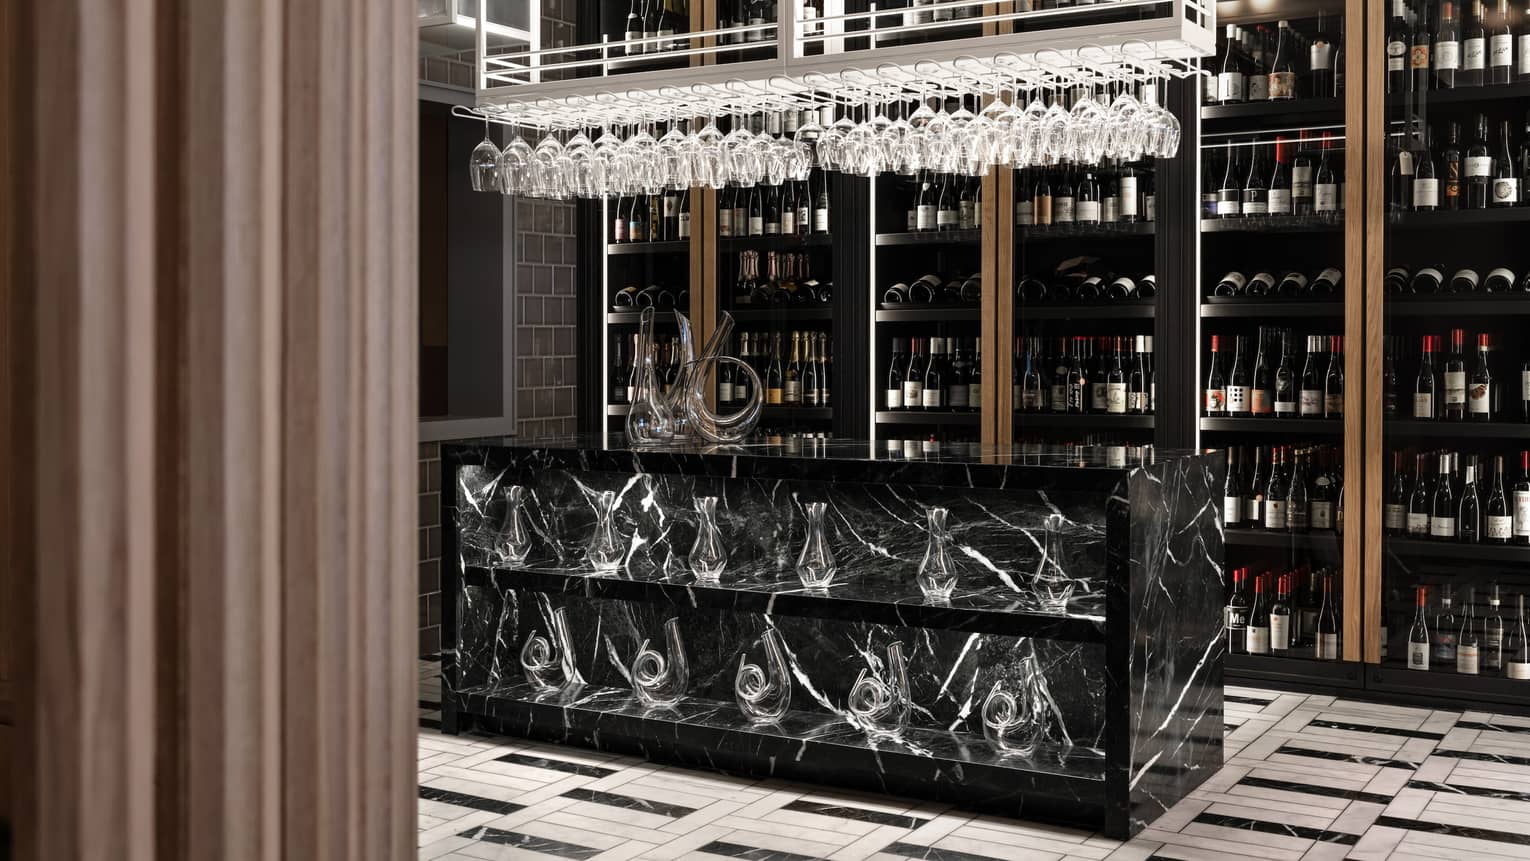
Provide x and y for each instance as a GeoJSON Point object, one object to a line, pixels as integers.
{"type": "Point", "coordinates": [945, 218]}
{"type": "Point", "coordinates": [913, 220]}
{"type": "Point", "coordinates": [1524, 54]}
{"type": "Point", "coordinates": [1260, 401]}
{"type": "Point", "coordinates": [1418, 524]}
{"type": "Point", "coordinates": [1455, 389]}
{"type": "Point", "coordinates": [1280, 632]}
{"type": "Point", "coordinates": [1418, 656]}
{"type": "Point", "coordinates": [789, 220]}
{"type": "Point", "coordinates": [894, 399]}
{"type": "Point", "coordinates": [1423, 406]}
{"type": "Point", "coordinates": [1397, 53]}
{"type": "Point", "coordinates": [1394, 517]}
{"type": "Point", "coordinates": [1282, 85]}
{"type": "Point", "coordinates": [1442, 527]}
{"type": "Point", "coordinates": [1285, 408]}
{"type": "Point", "coordinates": [913, 394]}
{"type": "Point", "coordinates": [1418, 57]}
{"type": "Point", "coordinates": [1230, 87]}
{"type": "Point", "coordinates": [1097, 397]}
{"type": "Point", "coordinates": [1060, 398]}
{"type": "Point", "coordinates": [1501, 528]}
{"type": "Point", "coordinates": [974, 396]}
{"type": "Point", "coordinates": [1025, 213]}
{"type": "Point", "coordinates": [1479, 165]}
{"type": "Point", "coordinates": [1232, 510]}
{"type": "Point", "coordinates": [1216, 401]}
{"type": "Point", "coordinates": [773, 395]}
{"type": "Point", "coordinates": [930, 398]}
{"type": "Point", "coordinates": [685, 225]}
{"type": "Point", "coordinates": [1477, 399]}
{"type": "Point", "coordinates": [925, 217]}
{"type": "Point", "coordinates": [1115, 398]}
{"type": "Point", "coordinates": [1447, 55]}
{"type": "Point", "coordinates": [1312, 402]}
{"type": "Point", "coordinates": [1254, 513]}
{"type": "Point", "coordinates": [1088, 212]}
{"type": "Point", "coordinates": [1227, 207]}
{"type": "Point", "coordinates": [1333, 406]}
{"type": "Point", "coordinates": [1519, 670]}
{"type": "Point", "coordinates": [1237, 399]}
{"type": "Point", "coordinates": [1426, 192]}
{"type": "Point", "coordinates": [1258, 88]}
{"type": "Point", "coordinates": [1321, 55]}
{"type": "Point", "coordinates": [1524, 385]}
{"type": "Point", "coordinates": [1256, 207]}
{"type": "Point", "coordinates": [1521, 514]}
{"type": "Point", "coordinates": [1128, 197]}
{"type": "Point", "coordinates": [1473, 55]}
{"type": "Point", "coordinates": [1501, 51]}
{"type": "Point", "coordinates": [1506, 191]}
{"type": "Point", "coordinates": [1258, 640]}
{"type": "Point", "coordinates": [1301, 182]}
{"type": "Point", "coordinates": [1326, 197]}
{"type": "Point", "coordinates": [725, 393]}
{"type": "Point", "coordinates": [1062, 209]}
{"type": "Point", "coordinates": [1322, 515]}
{"type": "Point", "coordinates": [1492, 647]}
{"type": "Point", "coordinates": [1467, 660]}
{"type": "Point", "coordinates": [1280, 201]}
{"type": "Point", "coordinates": [1327, 647]}
{"type": "Point", "coordinates": [956, 396]}
{"type": "Point", "coordinates": [773, 228]}
{"type": "Point", "coordinates": [1274, 514]}
{"type": "Point", "coordinates": [756, 225]}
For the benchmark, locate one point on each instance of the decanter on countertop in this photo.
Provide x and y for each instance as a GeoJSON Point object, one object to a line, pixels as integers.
{"type": "Point", "coordinates": [1015, 716]}
{"type": "Point", "coordinates": [1053, 587]}
{"type": "Point", "coordinates": [937, 572]}
{"type": "Point", "coordinates": [815, 565]}
{"type": "Point", "coordinates": [708, 555]}
{"type": "Point", "coordinates": [549, 661]}
{"type": "Point", "coordinates": [606, 547]}
{"type": "Point", "coordinates": [764, 694]}
{"type": "Point", "coordinates": [657, 680]}
{"type": "Point", "coordinates": [879, 702]}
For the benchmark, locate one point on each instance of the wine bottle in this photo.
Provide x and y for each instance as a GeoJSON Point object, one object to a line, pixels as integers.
{"type": "Point", "coordinates": [1519, 657]}
{"type": "Point", "coordinates": [1286, 382]}
{"type": "Point", "coordinates": [1473, 48]}
{"type": "Point", "coordinates": [946, 214]}
{"type": "Point", "coordinates": [1468, 645]}
{"type": "Point", "coordinates": [1078, 378]}
{"type": "Point", "coordinates": [1424, 385]}
{"type": "Point", "coordinates": [1398, 37]}
{"type": "Point", "coordinates": [1492, 633]}
{"type": "Point", "coordinates": [895, 368]}
{"type": "Point", "coordinates": [1469, 512]}
{"type": "Point", "coordinates": [1333, 382]}
{"type": "Point", "coordinates": [1216, 382]}
{"type": "Point", "coordinates": [1479, 168]}
{"type": "Point", "coordinates": [1420, 55]}
{"type": "Point", "coordinates": [634, 28]}
{"type": "Point", "coordinates": [932, 392]}
{"type": "Point", "coordinates": [1501, 47]}
{"type": "Point", "coordinates": [1257, 635]}
{"type": "Point", "coordinates": [1505, 172]}
{"type": "Point", "coordinates": [956, 377]}
{"type": "Point", "coordinates": [1137, 393]}
{"type": "Point", "coordinates": [1320, 61]}
{"type": "Point", "coordinates": [1238, 383]}
{"type": "Point", "coordinates": [1301, 173]}
{"type": "Point", "coordinates": [1426, 185]}
{"type": "Point", "coordinates": [791, 389]}
{"type": "Point", "coordinates": [1283, 71]}
{"type": "Point", "coordinates": [1442, 511]}
{"type": "Point", "coordinates": [1275, 493]}
{"type": "Point", "coordinates": [1230, 193]}
{"type": "Point", "coordinates": [1419, 642]}
{"type": "Point", "coordinates": [1455, 378]}
{"type": "Point", "coordinates": [775, 374]}
{"type": "Point", "coordinates": [1280, 180]}
{"type": "Point", "coordinates": [1325, 188]}
{"type": "Point", "coordinates": [1238, 614]}
{"type": "Point", "coordinates": [1298, 499]}
{"type": "Point", "coordinates": [1310, 399]}
{"type": "Point", "coordinates": [1280, 617]}
{"type": "Point", "coordinates": [1253, 513]}
{"type": "Point", "coordinates": [1447, 47]}
{"type": "Point", "coordinates": [1256, 186]}
{"type": "Point", "coordinates": [1443, 631]}
{"type": "Point", "coordinates": [1230, 77]}
{"type": "Point", "coordinates": [1326, 641]}
{"type": "Point", "coordinates": [1232, 490]}
{"type": "Point", "coordinates": [913, 376]}
{"type": "Point", "coordinates": [812, 385]}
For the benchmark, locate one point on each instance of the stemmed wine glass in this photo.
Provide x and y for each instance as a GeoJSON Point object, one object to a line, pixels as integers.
{"type": "Point", "coordinates": [485, 163]}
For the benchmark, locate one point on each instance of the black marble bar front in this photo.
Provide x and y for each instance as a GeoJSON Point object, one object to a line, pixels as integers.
{"type": "Point", "coordinates": [1128, 680]}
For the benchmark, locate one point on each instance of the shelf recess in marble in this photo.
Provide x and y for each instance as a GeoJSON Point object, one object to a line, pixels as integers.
{"type": "Point", "coordinates": [988, 611]}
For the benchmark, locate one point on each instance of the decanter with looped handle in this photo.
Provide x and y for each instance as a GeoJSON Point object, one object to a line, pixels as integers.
{"type": "Point", "coordinates": [879, 702]}
{"type": "Point", "coordinates": [549, 661]}
{"type": "Point", "coordinates": [1015, 717]}
{"type": "Point", "coordinates": [682, 414]}
{"type": "Point", "coordinates": [658, 680]}
{"type": "Point", "coordinates": [764, 694]}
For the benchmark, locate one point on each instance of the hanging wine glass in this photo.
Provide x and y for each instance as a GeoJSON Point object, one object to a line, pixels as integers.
{"type": "Point", "coordinates": [485, 163]}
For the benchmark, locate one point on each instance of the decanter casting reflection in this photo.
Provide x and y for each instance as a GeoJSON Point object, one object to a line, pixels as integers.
{"type": "Point", "coordinates": [1053, 585]}
{"type": "Point", "coordinates": [516, 543]}
{"type": "Point", "coordinates": [657, 680]}
{"type": "Point", "coordinates": [1015, 719]}
{"type": "Point", "coordinates": [879, 703]}
{"type": "Point", "coordinates": [764, 695]}
{"type": "Point", "coordinates": [481, 515]}
{"type": "Point", "coordinates": [937, 573]}
{"type": "Point", "coordinates": [606, 548]}
{"type": "Point", "coordinates": [815, 565]}
{"type": "Point", "coordinates": [549, 661]}
{"type": "Point", "coordinates": [708, 555]}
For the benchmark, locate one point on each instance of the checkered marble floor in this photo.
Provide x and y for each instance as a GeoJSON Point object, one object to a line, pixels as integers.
{"type": "Point", "coordinates": [1306, 777]}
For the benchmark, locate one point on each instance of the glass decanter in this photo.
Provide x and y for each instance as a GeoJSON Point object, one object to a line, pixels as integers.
{"type": "Point", "coordinates": [549, 661]}
{"type": "Point", "coordinates": [937, 572]}
{"type": "Point", "coordinates": [657, 680]}
{"type": "Point", "coordinates": [515, 543]}
{"type": "Point", "coordinates": [708, 555]}
{"type": "Point", "coordinates": [879, 702]}
{"type": "Point", "coordinates": [650, 421]}
{"type": "Point", "coordinates": [764, 694]}
{"type": "Point", "coordinates": [815, 565]}
{"type": "Point", "coordinates": [1015, 717]}
{"type": "Point", "coordinates": [605, 548]}
{"type": "Point", "coordinates": [1053, 587]}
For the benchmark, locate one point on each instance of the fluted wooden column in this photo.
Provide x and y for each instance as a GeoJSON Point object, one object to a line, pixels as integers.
{"type": "Point", "coordinates": [211, 410]}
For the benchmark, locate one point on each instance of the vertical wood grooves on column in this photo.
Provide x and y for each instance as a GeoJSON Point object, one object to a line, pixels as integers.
{"type": "Point", "coordinates": [1365, 120]}
{"type": "Point", "coordinates": [705, 302]}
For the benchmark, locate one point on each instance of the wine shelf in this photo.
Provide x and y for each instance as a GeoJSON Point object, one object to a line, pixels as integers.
{"type": "Point", "coordinates": [1443, 682]}
{"type": "Point", "coordinates": [1515, 92]}
{"type": "Point", "coordinates": [1420, 547]}
{"type": "Point", "coordinates": [1084, 421]}
{"type": "Point", "coordinates": [1320, 542]}
{"type": "Point", "coordinates": [1274, 224]}
{"type": "Point", "coordinates": [788, 314]}
{"type": "Point", "coordinates": [1459, 305]}
{"type": "Point", "coordinates": [789, 412]}
{"type": "Point", "coordinates": [1297, 426]}
{"type": "Point", "coordinates": [739, 243]}
{"type": "Point", "coordinates": [1257, 116]}
{"type": "Point", "coordinates": [1131, 309]}
{"type": "Point", "coordinates": [1294, 668]}
{"type": "Point", "coordinates": [1232, 307]}
{"type": "Point", "coordinates": [618, 409]}
{"type": "Point", "coordinates": [624, 249]}
{"type": "Point", "coordinates": [1433, 220]}
{"type": "Point", "coordinates": [1456, 430]}
{"type": "Point", "coordinates": [661, 317]}
{"type": "Point", "coordinates": [1084, 231]}
{"type": "Point", "coordinates": [931, 237]}
{"type": "Point", "coordinates": [930, 314]}
{"type": "Point", "coordinates": [927, 417]}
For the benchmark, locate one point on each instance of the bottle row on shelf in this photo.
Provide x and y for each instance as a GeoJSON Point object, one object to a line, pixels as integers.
{"type": "Point", "coordinates": [1429, 280]}
{"type": "Point", "coordinates": [1462, 641]}
{"type": "Point", "coordinates": [1484, 387]}
{"type": "Point", "coordinates": [624, 358]}
{"type": "Point", "coordinates": [1450, 503]}
{"type": "Point", "coordinates": [1113, 192]}
{"type": "Point", "coordinates": [1266, 386]}
{"type": "Point", "coordinates": [1284, 489]}
{"type": "Point", "coordinates": [1299, 617]}
{"type": "Point", "coordinates": [662, 217]}
{"type": "Point", "coordinates": [943, 201]}
{"type": "Point", "coordinates": [799, 380]}
{"type": "Point", "coordinates": [1460, 47]}
{"type": "Point", "coordinates": [1081, 286]}
{"type": "Point", "coordinates": [793, 208]}
{"type": "Point", "coordinates": [931, 445]}
{"type": "Point", "coordinates": [934, 374]}
{"type": "Point", "coordinates": [1254, 64]}
{"type": "Point", "coordinates": [787, 280]}
{"type": "Point", "coordinates": [1426, 176]}
{"type": "Point", "coordinates": [1240, 181]}
{"type": "Point", "coordinates": [657, 296]}
{"type": "Point", "coordinates": [1291, 285]}
{"type": "Point", "coordinates": [655, 21]}
{"type": "Point", "coordinates": [931, 289]}
{"type": "Point", "coordinates": [1112, 375]}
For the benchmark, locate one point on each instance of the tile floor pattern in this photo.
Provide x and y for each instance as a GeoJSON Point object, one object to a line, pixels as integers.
{"type": "Point", "coordinates": [1306, 777]}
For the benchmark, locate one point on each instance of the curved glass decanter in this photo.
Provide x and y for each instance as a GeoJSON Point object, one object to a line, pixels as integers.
{"type": "Point", "coordinates": [658, 680]}
{"type": "Point", "coordinates": [708, 555]}
{"type": "Point", "coordinates": [515, 545]}
{"type": "Point", "coordinates": [764, 694]}
{"type": "Point", "coordinates": [879, 702]}
{"type": "Point", "coordinates": [650, 422]}
{"type": "Point", "coordinates": [690, 391]}
{"type": "Point", "coordinates": [1015, 717]}
{"type": "Point", "coordinates": [815, 564]}
{"type": "Point", "coordinates": [605, 548]}
{"type": "Point", "coordinates": [549, 661]}
{"type": "Point", "coordinates": [1053, 587]}
{"type": "Point", "coordinates": [937, 573]}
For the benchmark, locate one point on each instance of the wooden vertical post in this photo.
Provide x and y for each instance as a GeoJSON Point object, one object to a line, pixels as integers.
{"type": "Point", "coordinates": [1364, 325]}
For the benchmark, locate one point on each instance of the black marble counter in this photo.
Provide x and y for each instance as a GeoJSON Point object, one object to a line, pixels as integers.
{"type": "Point", "coordinates": [1127, 676]}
